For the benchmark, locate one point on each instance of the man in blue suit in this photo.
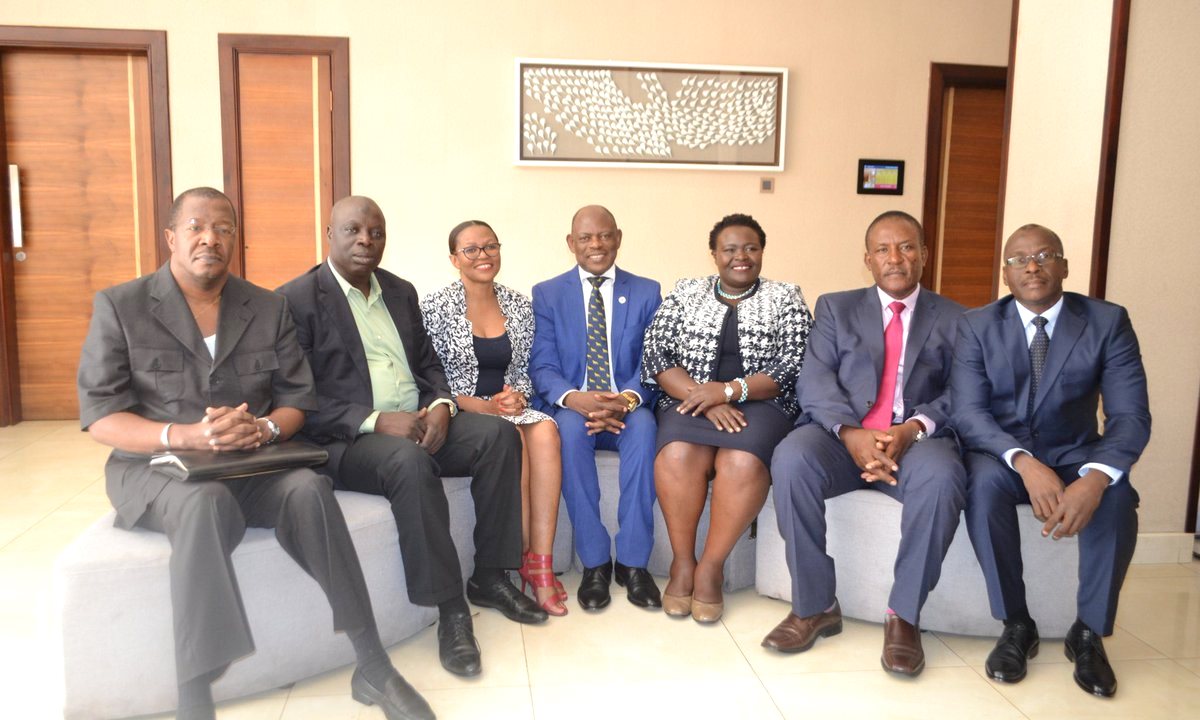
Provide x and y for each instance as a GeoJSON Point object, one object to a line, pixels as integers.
{"type": "Point", "coordinates": [875, 399]}
{"type": "Point", "coordinates": [586, 366]}
{"type": "Point", "coordinates": [1029, 372]}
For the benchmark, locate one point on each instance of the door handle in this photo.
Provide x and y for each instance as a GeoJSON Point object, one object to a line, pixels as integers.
{"type": "Point", "coordinates": [14, 205]}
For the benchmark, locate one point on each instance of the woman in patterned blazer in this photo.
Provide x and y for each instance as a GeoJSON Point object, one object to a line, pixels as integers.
{"type": "Point", "coordinates": [482, 332]}
{"type": "Point", "coordinates": [726, 350]}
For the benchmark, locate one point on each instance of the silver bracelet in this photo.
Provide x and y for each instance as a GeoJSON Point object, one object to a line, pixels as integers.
{"type": "Point", "coordinates": [164, 439]}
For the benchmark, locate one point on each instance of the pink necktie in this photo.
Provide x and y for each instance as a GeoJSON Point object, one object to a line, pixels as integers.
{"type": "Point", "coordinates": [880, 416]}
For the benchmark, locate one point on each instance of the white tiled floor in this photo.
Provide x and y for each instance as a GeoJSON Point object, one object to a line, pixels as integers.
{"type": "Point", "coordinates": [620, 663]}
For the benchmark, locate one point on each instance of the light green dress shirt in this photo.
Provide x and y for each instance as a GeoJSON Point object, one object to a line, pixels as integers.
{"type": "Point", "coordinates": [393, 387]}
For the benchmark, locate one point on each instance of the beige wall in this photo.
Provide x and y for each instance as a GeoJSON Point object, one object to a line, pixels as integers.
{"type": "Point", "coordinates": [1155, 251]}
{"type": "Point", "coordinates": [1056, 121]}
{"type": "Point", "coordinates": [432, 103]}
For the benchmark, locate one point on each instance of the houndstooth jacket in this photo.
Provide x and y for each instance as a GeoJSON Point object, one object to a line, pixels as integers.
{"type": "Point", "coordinates": [445, 316]}
{"type": "Point", "coordinates": [773, 326]}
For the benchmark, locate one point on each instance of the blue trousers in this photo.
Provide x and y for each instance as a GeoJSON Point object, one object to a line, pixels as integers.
{"type": "Point", "coordinates": [581, 487]}
{"type": "Point", "coordinates": [1105, 544]}
{"type": "Point", "coordinates": [811, 465]}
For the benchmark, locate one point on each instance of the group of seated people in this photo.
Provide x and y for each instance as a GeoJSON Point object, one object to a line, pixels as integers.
{"type": "Point", "coordinates": [723, 388]}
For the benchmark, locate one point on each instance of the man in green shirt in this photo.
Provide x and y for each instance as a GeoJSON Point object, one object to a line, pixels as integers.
{"type": "Point", "coordinates": [387, 417]}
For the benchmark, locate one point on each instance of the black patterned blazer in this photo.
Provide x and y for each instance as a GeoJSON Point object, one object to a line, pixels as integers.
{"type": "Point", "coordinates": [773, 326]}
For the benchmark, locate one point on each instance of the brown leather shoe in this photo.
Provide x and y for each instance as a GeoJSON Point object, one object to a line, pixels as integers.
{"type": "Point", "coordinates": [902, 653]}
{"type": "Point", "coordinates": [797, 634]}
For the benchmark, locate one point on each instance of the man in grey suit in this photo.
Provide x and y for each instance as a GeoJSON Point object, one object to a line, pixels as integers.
{"type": "Point", "coordinates": [875, 405]}
{"type": "Point", "coordinates": [191, 358]}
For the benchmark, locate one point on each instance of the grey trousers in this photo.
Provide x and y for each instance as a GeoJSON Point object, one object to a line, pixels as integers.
{"type": "Point", "coordinates": [810, 465]}
{"type": "Point", "coordinates": [205, 521]}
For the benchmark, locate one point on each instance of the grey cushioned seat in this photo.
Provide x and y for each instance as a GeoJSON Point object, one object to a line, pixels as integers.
{"type": "Point", "coordinates": [864, 532]}
{"type": "Point", "coordinates": [112, 589]}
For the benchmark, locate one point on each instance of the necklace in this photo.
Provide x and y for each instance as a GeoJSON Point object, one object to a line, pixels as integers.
{"type": "Point", "coordinates": [196, 315]}
{"type": "Point", "coordinates": [739, 296]}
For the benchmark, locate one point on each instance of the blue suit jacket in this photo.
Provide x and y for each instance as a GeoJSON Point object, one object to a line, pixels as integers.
{"type": "Point", "coordinates": [556, 362]}
{"type": "Point", "coordinates": [329, 337]}
{"type": "Point", "coordinates": [1093, 353]}
{"type": "Point", "coordinates": [844, 360]}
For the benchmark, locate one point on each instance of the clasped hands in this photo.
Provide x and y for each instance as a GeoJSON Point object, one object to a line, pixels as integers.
{"type": "Point", "coordinates": [877, 452]}
{"type": "Point", "coordinates": [222, 429]}
{"type": "Point", "coordinates": [709, 399]}
{"type": "Point", "coordinates": [425, 427]}
{"type": "Point", "coordinates": [605, 411]}
{"type": "Point", "coordinates": [1065, 509]}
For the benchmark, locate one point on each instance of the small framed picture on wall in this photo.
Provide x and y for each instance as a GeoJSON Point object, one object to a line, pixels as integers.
{"type": "Point", "coordinates": [880, 177]}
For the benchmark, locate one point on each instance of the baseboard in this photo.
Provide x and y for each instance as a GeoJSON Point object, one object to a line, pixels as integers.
{"type": "Point", "coordinates": [1164, 548]}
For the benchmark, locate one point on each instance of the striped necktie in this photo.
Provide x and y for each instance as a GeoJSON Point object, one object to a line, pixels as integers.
{"type": "Point", "coordinates": [599, 372]}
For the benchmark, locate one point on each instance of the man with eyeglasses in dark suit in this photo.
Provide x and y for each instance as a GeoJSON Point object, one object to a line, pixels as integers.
{"type": "Point", "coordinates": [1029, 373]}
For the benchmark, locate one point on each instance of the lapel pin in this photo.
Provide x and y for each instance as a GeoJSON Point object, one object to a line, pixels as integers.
{"type": "Point", "coordinates": [621, 299]}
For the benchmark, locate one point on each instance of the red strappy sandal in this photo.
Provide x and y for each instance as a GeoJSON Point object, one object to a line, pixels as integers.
{"type": "Point", "coordinates": [538, 572]}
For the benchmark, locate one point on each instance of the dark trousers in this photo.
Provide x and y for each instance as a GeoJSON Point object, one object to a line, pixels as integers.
{"type": "Point", "coordinates": [484, 447]}
{"type": "Point", "coordinates": [205, 521]}
{"type": "Point", "coordinates": [1105, 544]}
{"type": "Point", "coordinates": [810, 465]}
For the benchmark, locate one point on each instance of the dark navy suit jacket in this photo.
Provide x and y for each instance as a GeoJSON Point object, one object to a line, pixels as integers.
{"type": "Point", "coordinates": [556, 362]}
{"type": "Point", "coordinates": [843, 364]}
{"type": "Point", "coordinates": [1093, 353]}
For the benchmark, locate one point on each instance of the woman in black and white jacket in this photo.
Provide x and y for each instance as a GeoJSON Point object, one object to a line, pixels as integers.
{"type": "Point", "coordinates": [482, 331]}
{"type": "Point", "coordinates": [726, 350]}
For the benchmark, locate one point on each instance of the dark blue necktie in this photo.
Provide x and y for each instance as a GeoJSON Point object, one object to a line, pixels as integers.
{"type": "Point", "coordinates": [599, 374]}
{"type": "Point", "coordinates": [1037, 361]}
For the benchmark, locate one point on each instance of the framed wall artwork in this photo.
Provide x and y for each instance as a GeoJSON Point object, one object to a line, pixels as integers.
{"type": "Point", "coordinates": [581, 113]}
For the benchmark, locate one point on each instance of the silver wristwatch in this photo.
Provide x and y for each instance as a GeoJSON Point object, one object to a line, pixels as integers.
{"type": "Point", "coordinates": [274, 428]}
{"type": "Point", "coordinates": [729, 392]}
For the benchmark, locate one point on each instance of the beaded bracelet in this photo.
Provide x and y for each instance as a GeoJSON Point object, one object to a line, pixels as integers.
{"type": "Point", "coordinates": [745, 390]}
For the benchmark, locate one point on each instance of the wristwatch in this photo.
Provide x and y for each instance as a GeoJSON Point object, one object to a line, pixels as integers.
{"type": "Point", "coordinates": [729, 392]}
{"type": "Point", "coordinates": [274, 429]}
{"type": "Point", "coordinates": [921, 434]}
{"type": "Point", "coordinates": [631, 400]}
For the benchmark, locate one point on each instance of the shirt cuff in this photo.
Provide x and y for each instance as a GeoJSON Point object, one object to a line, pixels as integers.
{"type": "Point", "coordinates": [837, 431]}
{"type": "Point", "coordinates": [1010, 454]}
{"type": "Point", "coordinates": [561, 401]}
{"type": "Point", "coordinates": [930, 426]}
{"type": "Point", "coordinates": [368, 425]}
{"type": "Point", "coordinates": [1114, 474]}
{"type": "Point", "coordinates": [448, 403]}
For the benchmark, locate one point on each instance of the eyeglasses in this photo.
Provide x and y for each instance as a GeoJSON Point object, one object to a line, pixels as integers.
{"type": "Point", "coordinates": [1041, 259]}
{"type": "Point", "coordinates": [490, 250]}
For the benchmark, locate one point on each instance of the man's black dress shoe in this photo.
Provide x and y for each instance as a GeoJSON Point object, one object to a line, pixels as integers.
{"type": "Point", "coordinates": [1092, 671]}
{"type": "Point", "coordinates": [1017, 643]}
{"type": "Point", "coordinates": [640, 586]}
{"type": "Point", "coordinates": [457, 647]}
{"type": "Point", "coordinates": [593, 589]}
{"type": "Point", "coordinates": [502, 595]}
{"type": "Point", "coordinates": [397, 699]}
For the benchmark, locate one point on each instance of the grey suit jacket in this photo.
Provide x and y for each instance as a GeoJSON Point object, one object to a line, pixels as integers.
{"type": "Point", "coordinates": [843, 364]}
{"type": "Point", "coordinates": [144, 354]}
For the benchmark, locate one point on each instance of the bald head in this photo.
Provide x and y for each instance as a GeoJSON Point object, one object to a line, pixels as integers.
{"type": "Point", "coordinates": [357, 234]}
{"type": "Point", "coordinates": [592, 211]}
{"type": "Point", "coordinates": [1040, 232]}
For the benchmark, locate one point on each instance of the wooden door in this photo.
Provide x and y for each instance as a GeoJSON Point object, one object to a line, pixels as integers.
{"type": "Point", "coordinates": [77, 129]}
{"type": "Point", "coordinates": [287, 156]}
{"type": "Point", "coordinates": [962, 184]}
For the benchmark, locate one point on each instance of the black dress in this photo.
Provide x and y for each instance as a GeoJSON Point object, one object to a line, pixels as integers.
{"type": "Point", "coordinates": [766, 423]}
{"type": "Point", "coordinates": [493, 355]}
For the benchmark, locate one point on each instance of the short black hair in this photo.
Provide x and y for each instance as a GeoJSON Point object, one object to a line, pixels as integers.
{"type": "Point", "coordinates": [1045, 231]}
{"type": "Point", "coordinates": [895, 215]}
{"type": "Point", "coordinates": [736, 220]}
{"type": "Point", "coordinates": [463, 226]}
{"type": "Point", "coordinates": [202, 192]}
